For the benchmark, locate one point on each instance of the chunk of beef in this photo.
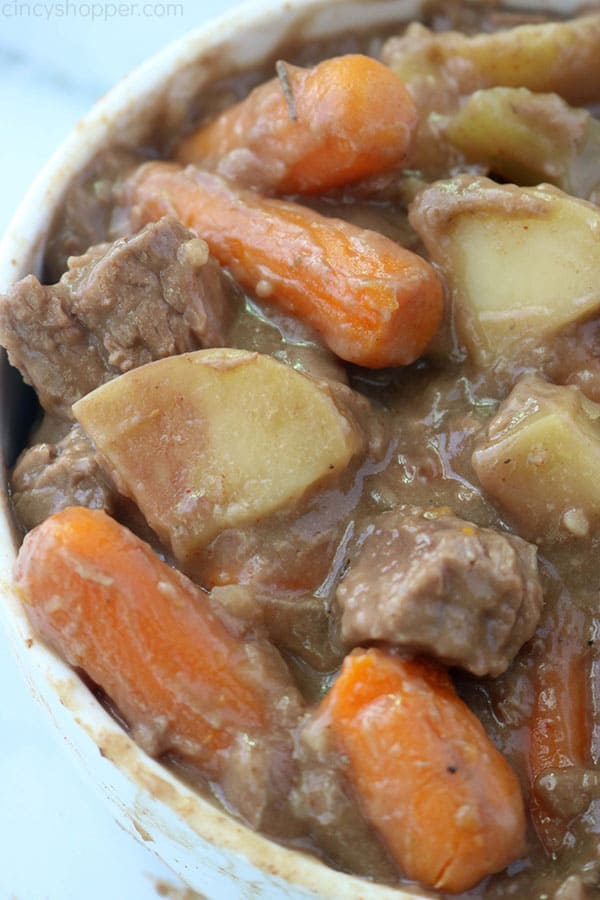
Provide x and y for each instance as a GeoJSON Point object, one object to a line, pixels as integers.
{"type": "Point", "coordinates": [323, 800]}
{"type": "Point", "coordinates": [301, 624]}
{"type": "Point", "coordinates": [258, 771]}
{"type": "Point", "coordinates": [568, 792]}
{"type": "Point", "coordinates": [257, 778]}
{"type": "Point", "coordinates": [468, 596]}
{"type": "Point", "coordinates": [49, 477]}
{"type": "Point", "coordinates": [119, 306]}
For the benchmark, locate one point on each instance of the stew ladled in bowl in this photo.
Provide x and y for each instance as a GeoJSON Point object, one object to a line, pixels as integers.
{"type": "Point", "coordinates": [311, 500]}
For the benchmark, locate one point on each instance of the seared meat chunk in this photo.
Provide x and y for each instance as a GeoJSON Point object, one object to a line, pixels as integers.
{"type": "Point", "coordinates": [258, 776]}
{"type": "Point", "coordinates": [323, 800]}
{"type": "Point", "coordinates": [567, 792]}
{"type": "Point", "coordinates": [441, 586]}
{"type": "Point", "coordinates": [118, 306]}
{"type": "Point", "coordinates": [300, 624]}
{"type": "Point", "coordinates": [49, 477]}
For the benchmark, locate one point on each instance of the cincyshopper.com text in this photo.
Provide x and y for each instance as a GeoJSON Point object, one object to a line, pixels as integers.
{"type": "Point", "coordinates": [95, 12]}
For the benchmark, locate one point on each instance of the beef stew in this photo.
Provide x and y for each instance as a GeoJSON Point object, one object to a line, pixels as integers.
{"type": "Point", "coordinates": [391, 446]}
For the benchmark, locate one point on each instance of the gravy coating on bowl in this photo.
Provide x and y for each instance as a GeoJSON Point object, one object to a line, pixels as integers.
{"type": "Point", "coordinates": [312, 496]}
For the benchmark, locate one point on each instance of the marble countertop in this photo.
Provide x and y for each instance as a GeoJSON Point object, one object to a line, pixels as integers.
{"type": "Point", "coordinates": [57, 839]}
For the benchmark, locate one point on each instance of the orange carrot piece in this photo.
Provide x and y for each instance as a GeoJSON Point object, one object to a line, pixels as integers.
{"type": "Point", "coordinates": [560, 728]}
{"type": "Point", "coordinates": [310, 129]}
{"type": "Point", "coordinates": [373, 302]}
{"type": "Point", "coordinates": [149, 637]}
{"type": "Point", "coordinates": [445, 802]}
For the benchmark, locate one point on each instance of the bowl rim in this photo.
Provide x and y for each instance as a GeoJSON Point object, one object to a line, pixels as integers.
{"type": "Point", "coordinates": [163, 802]}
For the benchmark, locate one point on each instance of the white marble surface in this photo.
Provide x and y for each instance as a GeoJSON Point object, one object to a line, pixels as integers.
{"type": "Point", "coordinates": [57, 840]}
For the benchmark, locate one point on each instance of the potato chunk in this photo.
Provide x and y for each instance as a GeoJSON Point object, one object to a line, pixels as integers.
{"type": "Point", "coordinates": [563, 57]}
{"type": "Point", "coordinates": [216, 439]}
{"type": "Point", "coordinates": [540, 461]}
{"type": "Point", "coordinates": [521, 263]}
{"type": "Point", "coordinates": [528, 138]}
{"type": "Point", "coordinates": [440, 68]}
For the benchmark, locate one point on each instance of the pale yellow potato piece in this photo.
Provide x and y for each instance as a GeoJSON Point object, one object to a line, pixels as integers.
{"type": "Point", "coordinates": [216, 439]}
{"type": "Point", "coordinates": [540, 462]}
{"type": "Point", "coordinates": [526, 138]}
{"type": "Point", "coordinates": [441, 67]}
{"type": "Point", "coordinates": [562, 57]}
{"type": "Point", "coordinates": [521, 263]}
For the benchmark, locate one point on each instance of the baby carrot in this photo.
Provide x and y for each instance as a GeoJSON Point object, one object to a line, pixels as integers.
{"type": "Point", "coordinates": [373, 302]}
{"type": "Point", "coordinates": [184, 682]}
{"type": "Point", "coordinates": [445, 802]}
{"type": "Point", "coordinates": [560, 732]}
{"type": "Point", "coordinates": [310, 129]}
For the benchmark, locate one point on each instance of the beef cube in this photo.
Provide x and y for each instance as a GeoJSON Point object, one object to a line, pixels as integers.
{"type": "Point", "coordinates": [49, 477]}
{"type": "Point", "coordinates": [440, 586]}
{"type": "Point", "coordinates": [118, 306]}
{"type": "Point", "coordinates": [323, 799]}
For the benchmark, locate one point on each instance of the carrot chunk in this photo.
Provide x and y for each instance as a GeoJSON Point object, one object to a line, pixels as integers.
{"type": "Point", "coordinates": [373, 302]}
{"type": "Point", "coordinates": [560, 727]}
{"type": "Point", "coordinates": [184, 681]}
{"type": "Point", "coordinates": [310, 129]}
{"type": "Point", "coordinates": [444, 800]}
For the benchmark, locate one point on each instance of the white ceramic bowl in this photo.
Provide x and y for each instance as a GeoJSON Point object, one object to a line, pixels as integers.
{"type": "Point", "coordinates": [209, 850]}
